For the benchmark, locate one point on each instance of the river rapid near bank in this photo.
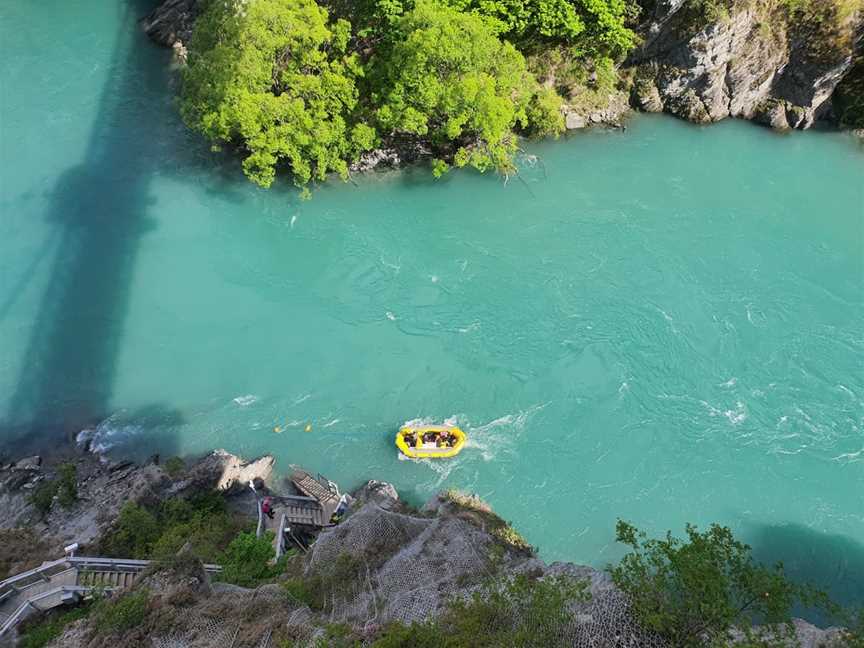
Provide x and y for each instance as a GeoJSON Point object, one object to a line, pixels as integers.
{"type": "Point", "coordinates": [663, 324]}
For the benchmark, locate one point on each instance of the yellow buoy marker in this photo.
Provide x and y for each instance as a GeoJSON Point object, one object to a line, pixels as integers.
{"type": "Point", "coordinates": [308, 427]}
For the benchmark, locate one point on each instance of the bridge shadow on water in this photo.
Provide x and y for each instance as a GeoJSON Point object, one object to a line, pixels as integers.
{"type": "Point", "coordinates": [99, 209]}
{"type": "Point", "coordinates": [834, 563]}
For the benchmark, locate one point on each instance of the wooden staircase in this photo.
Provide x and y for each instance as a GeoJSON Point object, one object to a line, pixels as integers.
{"type": "Point", "coordinates": [65, 581]}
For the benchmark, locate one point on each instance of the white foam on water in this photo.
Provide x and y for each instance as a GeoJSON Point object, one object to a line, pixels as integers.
{"type": "Point", "coordinates": [331, 423]}
{"type": "Point", "coordinates": [474, 326]}
{"type": "Point", "coordinates": [390, 316]}
{"type": "Point", "coordinates": [245, 401]}
{"type": "Point", "coordinates": [110, 433]}
{"type": "Point", "coordinates": [500, 434]}
{"type": "Point", "coordinates": [442, 469]}
{"type": "Point", "coordinates": [301, 399]}
{"type": "Point", "coordinates": [396, 267]}
{"type": "Point", "coordinates": [735, 415]}
{"type": "Point", "coordinates": [417, 422]}
{"type": "Point", "coordinates": [850, 457]}
{"type": "Point", "coordinates": [738, 415]}
{"type": "Point", "coordinates": [293, 220]}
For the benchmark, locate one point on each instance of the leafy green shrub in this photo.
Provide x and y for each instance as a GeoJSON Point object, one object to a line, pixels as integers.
{"type": "Point", "coordinates": [824, 26]}
{"type": "Point", "coordinates": [64, 487]}
{"type": "Point", "coordinates": [589, 27]}
{"type": "Point", "coordinates": [298, 591]}
{"type": "Point", "coordinates": [509, 612]}
{"type": "Point", "coordinates": [174, 467]}
{"type": "Point", "coordinates": [158, 532]}
{"type": "Point", "coordinates": [67, 486]}
{"type": "Point", "coordinates": [517, 612]}
{"type": "Point", "coordinates": [276, 79]}
{"type": "Point", "coordinates": [133, 534]}
{"type": "Point", "coordinates": [123, 613]}
{"type": "Point", "coordinates": [50, 626]}
{"type": "Point", "coordinates": [701, 588]}
{"type": "Point", "coordinates": [449, 80]}
{"type": "Point", "coordinates": [416, 635]}
{"type": "Point", "coordinates": [42, 496]}
{"type": "Point", "coordinates": [246, 561]}
{"type": "Point", "coordinates": [528, 21]}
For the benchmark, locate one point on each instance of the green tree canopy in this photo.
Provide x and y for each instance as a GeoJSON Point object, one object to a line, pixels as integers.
{"type": "Point", "coordinates": [449, 79]}
{"type": "Point", "coordinates": [289, 86]}
{"type": "Point", "coordinates": [593, 27]}
{"type": "Point", "coordinates": [606, 33]}
{"type": "Point", "coordinates": [275, 78]}
{"type": "Point", "coordinates": [695, 592]}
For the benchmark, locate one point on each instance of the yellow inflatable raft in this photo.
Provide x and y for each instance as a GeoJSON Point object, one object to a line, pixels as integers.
{"type": "Point", "coordinates": [430, 441]}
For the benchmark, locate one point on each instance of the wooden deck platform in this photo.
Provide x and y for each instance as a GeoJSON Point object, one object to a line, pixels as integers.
{"type": "Point", "coordinates": [313, 509]}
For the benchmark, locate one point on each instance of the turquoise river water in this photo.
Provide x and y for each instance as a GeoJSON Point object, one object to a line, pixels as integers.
{"type": "Point", "coordinates": [664, 324]}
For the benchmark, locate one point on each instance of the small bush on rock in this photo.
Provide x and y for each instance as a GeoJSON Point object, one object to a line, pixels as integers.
{"type": "Point", "coordinates": [246, 561]}
{"type": "Point", "coordinates": [67, 485]}
{"type": "Point", "coordinates": [121, 614]}
{"type": "Point", "coordinates": [160, 531]}
{"type": "Point", "coordinates": [50, 626]}
{"type": "Point", "coordinates": [174, 467]}
{"type": "Point", "coordinates": [504, 612]}
{"type": "Point", "coordinates": [43, 496]}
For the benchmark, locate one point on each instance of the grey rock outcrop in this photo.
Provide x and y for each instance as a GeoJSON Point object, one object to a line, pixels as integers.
{"type": "Point", "coordinates": [29, 463]}
{"type": "Point", "coordinates": [744, 65]}
{"type": "Point", "coordinates": [610, 112]}
{"type": "Point", "coordinates": [380, 493]}
{"type": "Point", "coordinates": [104, 487]}
{"type": "Point", "coordinates": [223, 471]}
{"type": "Point", "coordinates": [171, 22]}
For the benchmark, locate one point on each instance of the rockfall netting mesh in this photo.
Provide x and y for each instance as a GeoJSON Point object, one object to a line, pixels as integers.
{"type": "Point", "coordinates": [381, 566]}
{"type": "Point", "coordinates": [235, 617]}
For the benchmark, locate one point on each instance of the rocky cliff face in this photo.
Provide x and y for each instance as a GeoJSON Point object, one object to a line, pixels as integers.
{"type": "Point", "coordinates": [171, 22]}
{"type": "Point", "coordinates": [103, 487]}
{"type": "Point", "coordinates": [749, 63]}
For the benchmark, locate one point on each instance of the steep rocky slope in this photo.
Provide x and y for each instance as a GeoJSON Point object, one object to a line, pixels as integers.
{"type": "Point", "coordinates": [384, 563]}
{"type": "Point", "coordinates": [103, 487]}
{"type": "Point", "coordinates": [754, 62]}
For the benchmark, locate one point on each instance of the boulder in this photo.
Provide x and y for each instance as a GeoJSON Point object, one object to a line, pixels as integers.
{"type": "Point", "coordinates": [379, 493]}
{"type": "Point", "coordinates": [223, 471]}
{"type": "Point", "coordinates": [171, 22]}
{"type": "Point", "coordinates": [646, 96]}
{"type": "Point", "coordinates": [29, 463]}
{"type": "Point", "coordinates": [574, 121]}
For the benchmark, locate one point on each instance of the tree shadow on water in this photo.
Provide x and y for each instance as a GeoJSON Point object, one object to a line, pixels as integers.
{"type": "Point", "coordinates": [834, 563]}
